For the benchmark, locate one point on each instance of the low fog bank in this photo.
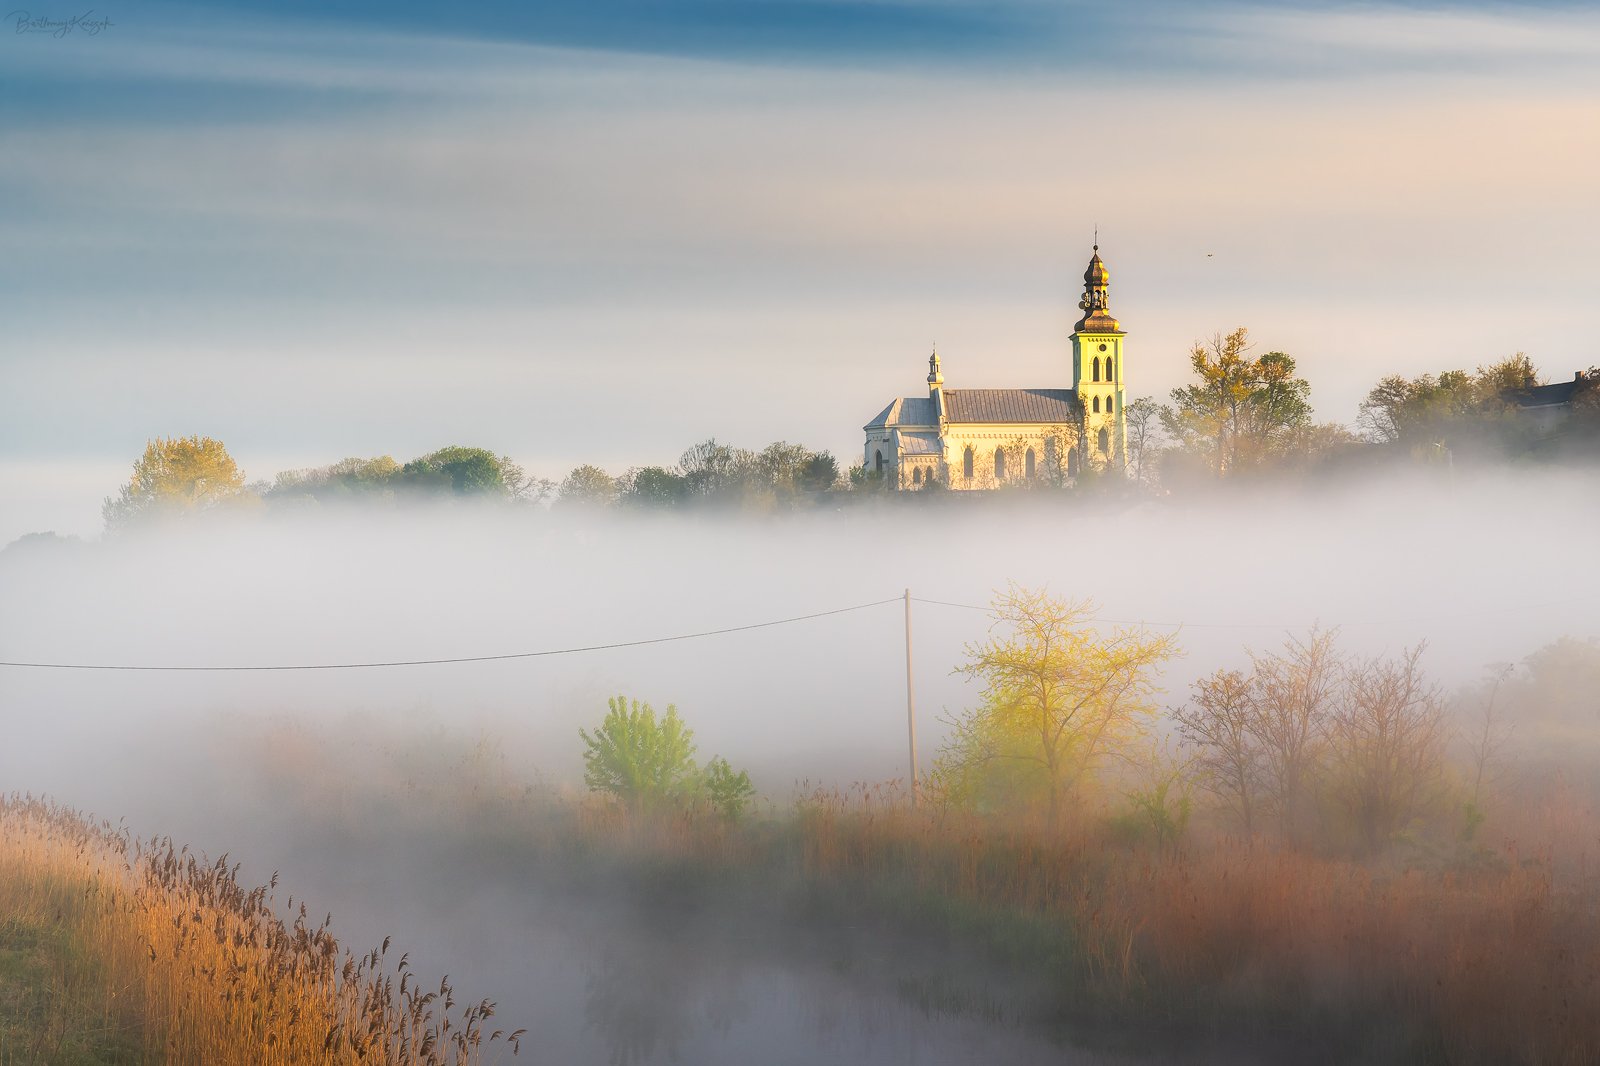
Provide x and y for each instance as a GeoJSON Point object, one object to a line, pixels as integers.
{"type": "Point", "coordinates": [329, 775]}
{"type": "Point", "coordinates": [1485, 572]}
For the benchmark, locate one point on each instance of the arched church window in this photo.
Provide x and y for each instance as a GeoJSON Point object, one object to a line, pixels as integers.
{"type": "Point", "coordinates": [1110, 403]}
{"type": "Point", "coordinates": [1097, 368]}
{"type": "Point", "coordinates": [1111, 368]}
{"type": "Point", "coordinates": [1097, 405]}
{"type": "Point", "coordinates": [1028, 463]}
{"type": "Point", "coordinates": [966, 462]}
{"type": "Point", "coordinates": [916, 476]}
{"type": "Point", "coordinates": [877, 464]}
{"type": "Point", "coordinates": [999, 464]}
{"type": "Point", "coordinates": [1105, 441]}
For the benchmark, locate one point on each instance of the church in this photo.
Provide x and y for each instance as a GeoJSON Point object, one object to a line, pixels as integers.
{"type": "Point", "coordinates": [968, 439]}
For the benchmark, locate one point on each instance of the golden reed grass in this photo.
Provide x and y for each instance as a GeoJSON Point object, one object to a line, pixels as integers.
{"type": "Point", "coordinates": [196, 968]}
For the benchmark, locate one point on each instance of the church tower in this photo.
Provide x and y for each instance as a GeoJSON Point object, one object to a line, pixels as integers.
{"type": "Point", "coordinates": [1097, 370]}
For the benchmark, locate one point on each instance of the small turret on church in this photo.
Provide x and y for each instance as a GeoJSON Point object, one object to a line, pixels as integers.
{"type": "Point", "coordinates": [1097, 370]}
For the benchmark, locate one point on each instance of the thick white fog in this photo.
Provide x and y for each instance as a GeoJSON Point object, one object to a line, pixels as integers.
{"type": "Point", "coordinates": [1486, 572]}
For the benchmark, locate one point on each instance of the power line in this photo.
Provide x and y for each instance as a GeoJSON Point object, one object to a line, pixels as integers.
{"type": "Point", "coordinates": [695, 636]}
{"type": "Point", "coordinates": [466, 658]}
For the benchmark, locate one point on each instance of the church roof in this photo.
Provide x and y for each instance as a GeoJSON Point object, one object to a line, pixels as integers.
{"type": "Point", "coordinates": [920, 444]}
{"type": "Point", "coordinates": [1053, 406]}
{"type": "Point", "coordinates": [906, 411]}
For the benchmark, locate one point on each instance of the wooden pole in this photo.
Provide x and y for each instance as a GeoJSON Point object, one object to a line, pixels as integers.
{"type": "Point", "coordinates": [911, 706]}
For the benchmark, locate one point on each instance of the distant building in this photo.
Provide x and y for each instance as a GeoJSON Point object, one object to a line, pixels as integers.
{"type": "Point", "coordinates": [1561, 419]}
{"type": "Point", "coordinates": [1552, 401]}
{"type": "Point", "coordinates": [985, 438]}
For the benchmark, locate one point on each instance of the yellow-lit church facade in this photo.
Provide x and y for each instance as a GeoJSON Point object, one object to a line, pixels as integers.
{"type": "Point", "coordinates": [971, 439]}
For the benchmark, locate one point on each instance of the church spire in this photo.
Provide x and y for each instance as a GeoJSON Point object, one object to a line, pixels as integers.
{"type": "Point", "coordinates": [1096, 302]}
{"type": "Point", "coordinates": [935, 375]}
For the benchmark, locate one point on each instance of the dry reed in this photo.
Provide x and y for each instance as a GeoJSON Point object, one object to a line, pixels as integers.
{"type": "Point", "coordinates": [194, 967]}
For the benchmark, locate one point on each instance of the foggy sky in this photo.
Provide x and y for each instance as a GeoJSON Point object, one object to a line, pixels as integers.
{"type": "Point", "coordinates": [599, 234]}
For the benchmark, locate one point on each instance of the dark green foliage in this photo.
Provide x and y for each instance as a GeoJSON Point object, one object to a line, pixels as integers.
{"type": "Point", "coordinates": [725, 790]}
{"type": "Point", "coordinates": [653, 487]}
{"type": "Point", "coordinates": [462, 471]}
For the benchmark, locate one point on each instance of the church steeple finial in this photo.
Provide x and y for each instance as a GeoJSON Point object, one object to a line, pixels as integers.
{"type": "Point", "coordinates": [1096, 301]}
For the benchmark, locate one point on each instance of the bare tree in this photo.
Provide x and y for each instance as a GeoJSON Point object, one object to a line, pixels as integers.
{"type": "Point", "coordinates": [1290, 716]}
{"type": "Point", "coordinates": [1217, 721]}
{"type": "Point", "coordinates": [1488, 741]}
{"type": "Point", "coordinates": [1144, 435]}
{"type": "Point", "coordinates": [1387, 745]}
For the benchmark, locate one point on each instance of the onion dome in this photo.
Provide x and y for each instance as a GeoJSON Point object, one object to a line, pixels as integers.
{"type": "Point", "coordinates": [1096, 302]}
{"type": "Point", "coordinates": [1097, 276]}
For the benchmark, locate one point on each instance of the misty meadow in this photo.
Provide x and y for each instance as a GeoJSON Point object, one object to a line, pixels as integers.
{"type": "Point", "coordinates": [1336, 803]}
{"type": "Point", "coordinates": [872, 532]}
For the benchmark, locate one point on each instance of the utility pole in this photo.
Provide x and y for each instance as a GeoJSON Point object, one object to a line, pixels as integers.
{"type": "Point", "coordinates": [911, 705]}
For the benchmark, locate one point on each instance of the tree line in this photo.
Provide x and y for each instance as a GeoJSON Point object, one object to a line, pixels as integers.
{"type": "Point", "coordinates": [182, 476]}
{"type": "Point", "coordinates": [1306, 744]}
{"type": "Point", "coordinates": [1241, 415]}
{"type": "Point", "coordinates": [1244, 414]}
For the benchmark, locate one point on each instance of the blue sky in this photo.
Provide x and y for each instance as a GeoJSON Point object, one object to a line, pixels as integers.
{"type": "Point", "coordinates": [587, 232]}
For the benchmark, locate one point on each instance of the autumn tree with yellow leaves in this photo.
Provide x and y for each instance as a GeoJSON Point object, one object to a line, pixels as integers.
{"type": "Point", "coordinates": [1061, 697]}
{"type": "Point", "coordinates": [175, 477]}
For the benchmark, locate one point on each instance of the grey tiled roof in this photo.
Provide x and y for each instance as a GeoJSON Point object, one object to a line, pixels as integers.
{"type": "Point", "coordinates": [1545, 395]}
{"type": "Point", "coordinates": [906, 411]}
{"type": "Point", "coordinates": [1054, 406]}
{"type": "Point", "coordinates": [920, 444]}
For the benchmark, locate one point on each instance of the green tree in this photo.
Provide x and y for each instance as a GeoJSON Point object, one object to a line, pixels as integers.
{"type": "Point", "coordinates": [864, 480]}
{"type": "Point", "coordinates": [780, 465]}
{"type": "Point", "coordinates": [819, 473]}
{"type": "Point", "coordinates": [1241, 411]}
{"type": "Point", "coordinates": [348, 479]}
{"type": "Point", "coordinates": [652, 487]}
{"type": "Point", "coordinates": [645, 761]}
{"type": "Point", "coordinates": [714, 472]}
{"type": "Point", "coordinates": [725, 789]}
{"type": "Point", "coordinates": [588, 486]}
{"type": "Point", "coordinates": [1452, 409]}
{"type": "Point", "coordinates": [461, 471]}
{"type": "Point", "coordinates": [648, 763]}
{"type": "Point", "coordinates": [1058, 700]}
{"type": "Point", "coordinates": [175, 477]}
